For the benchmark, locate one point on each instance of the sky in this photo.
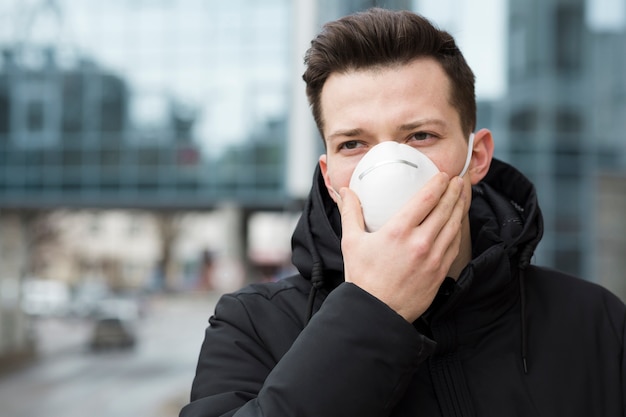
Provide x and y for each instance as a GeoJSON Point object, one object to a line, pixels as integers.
{"type": "Point", "coordinates": [606, 15]}
{"type": "Point", "coordinates": [479, 26]}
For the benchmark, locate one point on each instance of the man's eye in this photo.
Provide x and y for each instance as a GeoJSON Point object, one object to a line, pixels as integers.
{"type": "Point", "coordinates": [420, 136]}
{"type": "Point", "coordinates": [351, 144]}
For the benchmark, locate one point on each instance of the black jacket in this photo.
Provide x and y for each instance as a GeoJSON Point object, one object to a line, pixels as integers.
{"type": "Point", "coordinates": [506, 339]}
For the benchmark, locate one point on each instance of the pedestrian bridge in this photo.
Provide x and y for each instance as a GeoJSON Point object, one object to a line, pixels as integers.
{"type": "Point", "coordinates": [167, 176]}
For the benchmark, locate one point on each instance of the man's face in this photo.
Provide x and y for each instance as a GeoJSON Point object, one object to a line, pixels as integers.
{"type": "Point", "coordinates": [407, 104]}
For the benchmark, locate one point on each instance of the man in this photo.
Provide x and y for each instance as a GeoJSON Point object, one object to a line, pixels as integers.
{"type": "Point", "coordinates": [437, 313]}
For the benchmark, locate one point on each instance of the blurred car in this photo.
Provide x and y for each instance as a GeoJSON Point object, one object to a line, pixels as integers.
{"type": "Point", "coordinates": [113, 332]}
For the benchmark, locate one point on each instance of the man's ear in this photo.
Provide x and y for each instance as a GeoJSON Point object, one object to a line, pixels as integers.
{"type": "Point", "coordinates": [482, 154]}
{"type": "Point", "coordinates": [324, 169]}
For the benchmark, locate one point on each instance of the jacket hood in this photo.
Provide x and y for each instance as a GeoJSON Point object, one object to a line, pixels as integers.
{"type": "Point", "coordinates": [505, 210]}
{"type": "Point", "coordinates": [316, 241]}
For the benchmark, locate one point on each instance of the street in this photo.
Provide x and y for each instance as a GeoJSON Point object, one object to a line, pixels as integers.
{"type": "Point", "coordinates": [153, 379]}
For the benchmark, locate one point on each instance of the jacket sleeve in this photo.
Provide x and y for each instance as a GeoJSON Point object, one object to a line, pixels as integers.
{"type": "Point", "coordinates": [354, 358]}
{"type": "Point", "coordinates": [623, 370]}
{"type": "Point", "coordinates": [616, 311]}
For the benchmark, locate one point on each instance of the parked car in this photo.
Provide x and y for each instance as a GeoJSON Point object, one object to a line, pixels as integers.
{"type": "Point", "coordinates": [113, 332]}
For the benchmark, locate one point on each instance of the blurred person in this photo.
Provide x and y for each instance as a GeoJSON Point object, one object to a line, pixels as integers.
{"type": "Point", "coordinates": [439, 312]}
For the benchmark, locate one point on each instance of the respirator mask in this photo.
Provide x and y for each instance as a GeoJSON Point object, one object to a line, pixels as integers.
{"type": "Point", "coordinates": [388, 175]}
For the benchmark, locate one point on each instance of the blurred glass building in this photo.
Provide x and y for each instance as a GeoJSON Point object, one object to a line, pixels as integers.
{"type": "Point", "coordinates": [152, 104]}
{"type": "Point", "coordinates": [565, 120]}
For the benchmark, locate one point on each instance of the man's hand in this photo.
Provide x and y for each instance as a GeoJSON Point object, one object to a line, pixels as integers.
{"type": "Point", "coordinates": [404, 263]}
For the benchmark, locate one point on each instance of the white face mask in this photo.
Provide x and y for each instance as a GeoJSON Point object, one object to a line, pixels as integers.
{"type": "Point", "coordinates": [388, 175]}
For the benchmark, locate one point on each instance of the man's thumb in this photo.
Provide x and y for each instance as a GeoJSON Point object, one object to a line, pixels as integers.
{"type": "Point", "coordinates": [350, 209]}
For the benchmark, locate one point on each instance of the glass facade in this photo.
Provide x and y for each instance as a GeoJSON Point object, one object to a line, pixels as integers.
{"type": "Point", "coordinates": [564, 117]}
{"type": "Point", "coordinates": [142, 103]}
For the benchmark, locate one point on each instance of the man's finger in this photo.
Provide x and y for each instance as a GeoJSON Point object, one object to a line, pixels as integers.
{"type": "Point", "coordinates": [350, 209]}
{"type": "Point", "coordinates": [422, 203]}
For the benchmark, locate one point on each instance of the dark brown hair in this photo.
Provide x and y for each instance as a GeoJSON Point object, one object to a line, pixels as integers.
{"type": "Point", "coordinates": [380, 38]}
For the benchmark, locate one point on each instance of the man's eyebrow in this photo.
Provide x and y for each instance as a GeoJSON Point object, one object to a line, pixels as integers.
{"type": "Point", "coordinates": [420, 123]}
{"type": "Point", "coordinates": [345, 133]}
{"type": "Point", "coordinates": [351, 133]}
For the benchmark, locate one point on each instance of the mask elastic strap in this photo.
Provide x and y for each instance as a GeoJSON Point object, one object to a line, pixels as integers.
{"type": "Point", "coordinates": [470, 149]}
